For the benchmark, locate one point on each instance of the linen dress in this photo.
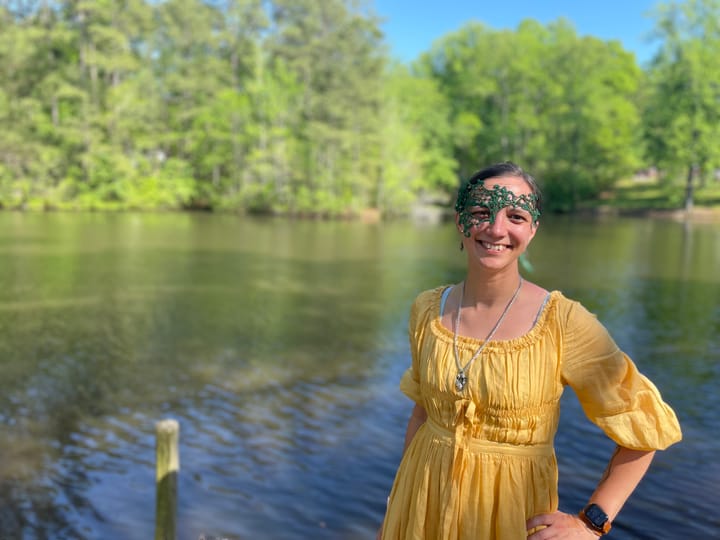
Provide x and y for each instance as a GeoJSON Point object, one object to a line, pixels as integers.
{"type": "Point", "coordinates": [483, 463]}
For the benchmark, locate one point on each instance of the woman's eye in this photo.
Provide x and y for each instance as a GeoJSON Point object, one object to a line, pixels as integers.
{"type": "Point", "coordinates": [481, 213]}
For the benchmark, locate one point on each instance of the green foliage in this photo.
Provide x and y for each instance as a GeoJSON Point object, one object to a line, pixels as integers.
{"type": "Point", "coordinates": [416, 141]}
{"type": "Point", "coordinates": [682, 104]}
{"type": "Point", "coordinates": [292, 106]}
{"type": "Point", "coordinates": [562, 105]}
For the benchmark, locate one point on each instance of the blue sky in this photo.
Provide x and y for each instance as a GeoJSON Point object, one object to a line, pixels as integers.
{"type": "Point", "coordinates": [411, 26]}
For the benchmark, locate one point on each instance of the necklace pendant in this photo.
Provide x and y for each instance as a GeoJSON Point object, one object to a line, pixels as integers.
{"type": "Point", "coordinates": [460, 381]}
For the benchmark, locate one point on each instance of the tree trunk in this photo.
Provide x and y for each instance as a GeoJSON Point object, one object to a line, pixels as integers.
{"type": "Point", "coordinates": [690, 188]}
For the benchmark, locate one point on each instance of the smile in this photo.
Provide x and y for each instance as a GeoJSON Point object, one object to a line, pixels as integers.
{"type": "Point", "coordinates": [493, 247]}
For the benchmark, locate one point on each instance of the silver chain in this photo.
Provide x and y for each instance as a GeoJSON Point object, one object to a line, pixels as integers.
{"type": "Point", "coordinates": [461, 378]}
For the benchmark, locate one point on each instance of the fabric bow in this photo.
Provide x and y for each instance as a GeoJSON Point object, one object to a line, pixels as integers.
{"type": "Point", "coordinates": [464, 421]}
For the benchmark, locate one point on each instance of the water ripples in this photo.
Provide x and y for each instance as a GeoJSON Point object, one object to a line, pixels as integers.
{"type": "Point", "coordinates": [283, 368]}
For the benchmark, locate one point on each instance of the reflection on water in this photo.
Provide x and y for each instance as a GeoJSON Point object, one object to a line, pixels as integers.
{"type": "Point", "coordinates": [278, 345]}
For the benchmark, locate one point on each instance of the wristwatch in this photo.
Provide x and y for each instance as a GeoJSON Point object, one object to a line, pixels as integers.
{"type": "Point", "coordinates": [596, 518]}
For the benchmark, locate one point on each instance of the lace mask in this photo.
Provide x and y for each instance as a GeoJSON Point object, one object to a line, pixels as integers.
{"type": "Point", "coordinates": [475, 194]}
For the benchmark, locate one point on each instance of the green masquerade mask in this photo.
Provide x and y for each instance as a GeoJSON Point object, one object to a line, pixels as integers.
{"type": "Point", "coordinates": [474, 194]}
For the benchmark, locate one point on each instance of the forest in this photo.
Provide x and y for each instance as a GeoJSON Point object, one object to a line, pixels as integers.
{"type": "Point", "coordinates": [296, 107]}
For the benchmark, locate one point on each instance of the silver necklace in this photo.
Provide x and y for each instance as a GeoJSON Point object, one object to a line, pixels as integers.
{"type": "Point", "coordinates": [461, 379]}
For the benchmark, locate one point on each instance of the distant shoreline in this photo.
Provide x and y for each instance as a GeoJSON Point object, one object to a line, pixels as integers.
{"type": "Point", "coordinates": [426, 214]}
{"type": "Point", "coordinates": [696, 214]}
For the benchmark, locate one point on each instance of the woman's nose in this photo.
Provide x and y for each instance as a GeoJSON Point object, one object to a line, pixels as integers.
{"type": "Point", "coordinates": [498, 225]}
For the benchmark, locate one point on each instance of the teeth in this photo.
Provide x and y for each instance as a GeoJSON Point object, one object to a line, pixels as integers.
{"type": "Point", "coordinates": [493, 247]}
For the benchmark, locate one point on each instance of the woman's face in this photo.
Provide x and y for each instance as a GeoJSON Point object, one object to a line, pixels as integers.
{"type": "Point", "coordinates": [498, 221]}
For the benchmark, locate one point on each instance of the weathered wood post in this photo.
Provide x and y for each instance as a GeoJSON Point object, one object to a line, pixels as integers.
{"type": "Point", "coordinates": [167, 467]}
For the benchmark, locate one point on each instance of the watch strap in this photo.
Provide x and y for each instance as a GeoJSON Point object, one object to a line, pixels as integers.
{"type": "Point", "coordinates": [595, 518]}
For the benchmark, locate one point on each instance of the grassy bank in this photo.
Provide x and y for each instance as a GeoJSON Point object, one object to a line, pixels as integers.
{"type": "Point", "coordinates": [650, 197]}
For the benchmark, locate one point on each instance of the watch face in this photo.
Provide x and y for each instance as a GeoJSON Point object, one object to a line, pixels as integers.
{"type": "Point", "coordinates": [595, 514]}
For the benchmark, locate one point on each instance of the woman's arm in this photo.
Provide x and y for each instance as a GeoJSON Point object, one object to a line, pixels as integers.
{"type": "Point", "coordinates": [622, 475]}
{"type": "Point", "coordinates": [417, 419]}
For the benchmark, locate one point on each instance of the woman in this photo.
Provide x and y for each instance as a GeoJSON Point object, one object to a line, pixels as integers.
{"type": "Point", "coordinates": [490, 359]}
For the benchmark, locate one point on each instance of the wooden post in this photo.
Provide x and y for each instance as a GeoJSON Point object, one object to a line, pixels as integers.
{"type": "Point", "coordinates": [167, 467]}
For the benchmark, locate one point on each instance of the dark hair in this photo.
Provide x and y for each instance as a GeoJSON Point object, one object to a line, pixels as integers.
{"type": "Point", "coordinates": [504, 169]}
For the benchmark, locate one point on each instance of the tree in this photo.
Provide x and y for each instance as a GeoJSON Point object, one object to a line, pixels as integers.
{"type": "Point", "coordinates": [416, 137]}
{"type": "Point", "coordinates": [333, 50]}
{"type": "Point", "coordinates": [562, 105]}
{"type": "Point", "coordinates": [593, 125]}
{"type": "Point", "coordinates": [682, 112]}
{"type": "Point", "coordinates": [32, 44]}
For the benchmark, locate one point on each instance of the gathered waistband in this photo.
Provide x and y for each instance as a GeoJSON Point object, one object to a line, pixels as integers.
{"type": "Point", "coordinates": [482, 445]}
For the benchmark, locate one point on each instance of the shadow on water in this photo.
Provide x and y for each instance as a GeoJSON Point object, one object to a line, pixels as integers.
{"type": "Point", "coordinates": [279, 345]}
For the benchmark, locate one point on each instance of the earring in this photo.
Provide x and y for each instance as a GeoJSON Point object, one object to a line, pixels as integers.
{"type": "Point", "coordinates": [462, 247]}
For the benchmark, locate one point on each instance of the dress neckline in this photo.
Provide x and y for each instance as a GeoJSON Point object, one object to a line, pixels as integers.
{"type": "Point", "coordinates": [517, 342]}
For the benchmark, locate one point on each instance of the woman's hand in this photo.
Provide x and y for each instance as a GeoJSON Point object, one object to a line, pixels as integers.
{"type": "Point", "coordinates": [559, 525]}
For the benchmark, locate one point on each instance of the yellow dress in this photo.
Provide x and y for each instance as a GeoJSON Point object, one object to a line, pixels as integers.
{"type": "Point", "coordinates": [483, 462]}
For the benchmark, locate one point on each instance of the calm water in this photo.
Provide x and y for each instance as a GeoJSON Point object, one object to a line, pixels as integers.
{"type": "Point", "coordinates": [278, 345]}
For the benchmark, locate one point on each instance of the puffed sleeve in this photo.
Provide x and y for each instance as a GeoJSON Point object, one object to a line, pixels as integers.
{"type": "Point", "coordinates": [615, 396]}
{"type": "Point", "coordinates": [421, 312]}
{"type": "Point", "coordinates": [410, 382]}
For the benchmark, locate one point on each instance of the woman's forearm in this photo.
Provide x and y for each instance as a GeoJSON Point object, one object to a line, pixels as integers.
{"type": "Point", "coordinates": [417, 419]}
{"type": "Point", "coordinates": [624, 472]}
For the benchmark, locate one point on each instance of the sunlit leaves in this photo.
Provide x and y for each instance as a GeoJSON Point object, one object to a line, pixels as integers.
{"type": "Point", "coordinates": [560, 104]}
{"type": "Point", "coordinates": [682, 106]}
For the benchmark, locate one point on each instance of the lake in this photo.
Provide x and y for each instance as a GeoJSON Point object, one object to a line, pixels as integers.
{"type": "Point", "coordinates": [278, 345]}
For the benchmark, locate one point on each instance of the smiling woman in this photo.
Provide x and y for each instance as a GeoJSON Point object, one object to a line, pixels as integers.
{"type": "Point", "coordinates": [498, 212]}
{"type": "Point", "coordinates": [490, 359]}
